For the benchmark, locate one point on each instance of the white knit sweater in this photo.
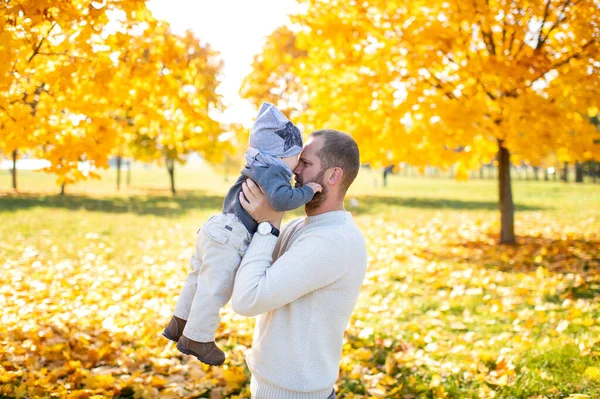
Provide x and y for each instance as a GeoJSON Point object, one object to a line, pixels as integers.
{"type": "Point", "coordinates": [303, 301]}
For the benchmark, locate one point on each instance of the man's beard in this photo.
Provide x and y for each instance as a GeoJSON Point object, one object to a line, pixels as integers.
{"type": "Point", "coordinates": [319, 197]}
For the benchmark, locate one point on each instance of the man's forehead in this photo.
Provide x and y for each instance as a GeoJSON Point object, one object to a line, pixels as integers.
{"type": "Point", "coordinates": [312, 146]}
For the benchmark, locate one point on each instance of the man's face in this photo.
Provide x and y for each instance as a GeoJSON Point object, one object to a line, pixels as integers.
{"type": "Point", "coordinates": [309, 169]}
{"type": "Point", "coordinates": [309, 164]}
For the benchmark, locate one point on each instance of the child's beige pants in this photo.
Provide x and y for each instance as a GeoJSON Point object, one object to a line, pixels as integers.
{"type": "Point", "coordinates": [220, 245]}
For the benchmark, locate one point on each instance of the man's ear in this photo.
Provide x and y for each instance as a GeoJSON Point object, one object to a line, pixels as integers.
{"type": "Point", "coordinates": [335, 177]}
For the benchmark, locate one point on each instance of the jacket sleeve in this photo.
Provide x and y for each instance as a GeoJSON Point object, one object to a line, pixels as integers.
{"type": "Point", "coordinates": [280, 193]}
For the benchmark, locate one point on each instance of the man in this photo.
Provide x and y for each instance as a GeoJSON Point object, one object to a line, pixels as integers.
{"type": "Point", "coordinates": [303, 285]}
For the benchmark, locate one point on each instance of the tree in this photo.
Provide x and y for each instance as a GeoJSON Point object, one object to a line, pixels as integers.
{"type": "Point", "coordinates": [450, 82]}
{"type": "Point", "coordinates": [172, 80]}
{"type": "Point", "coordinates": [272, 79]}
{"type": "Point", "coordinates": [84, 80]}
{"type": "Point", "coordinates": [237, 136]}
{"type": "Point", "coordinates": [56, 62]}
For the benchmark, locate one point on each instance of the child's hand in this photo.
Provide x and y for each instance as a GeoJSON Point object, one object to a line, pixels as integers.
{"type": "Point", "coordinates": [316, 187]}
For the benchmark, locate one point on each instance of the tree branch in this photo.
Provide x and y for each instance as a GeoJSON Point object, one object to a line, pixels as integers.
{"type": "Point", "coordinates": [565, 61]}
{"type": "Point", "coordinates": [559, 20]}
{"type": "Point", "coordinates": [7, 113]}
{"type": "Point", "coordinates": [503, 35]}
{"type": "Point", "coordinates": [487, 36]}
{"type": "Point", "coordinates": [544, 19]}
{"type": "Point", "coordinates": [490, 41]}
{"type": "Point", "coordinates": [505, 32]}
{"type": "Point", "coordinates": [37, 48]}
{"type": "Point", "coordinates": [440, 85]}
{"type": "Point", "coordinates": [486, 91]}
{"type": "Point", "coordinates": [522, 45]}
{"type": "Point", "coordinates": [33, 104]}
{"type": "Point", "coordinates": [512, 40]}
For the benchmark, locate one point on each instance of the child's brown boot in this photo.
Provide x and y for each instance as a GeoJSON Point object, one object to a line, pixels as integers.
{"type": "Point", "coordinates": [174, 329]}
{"type": "Point", "coordinates": [206, 352]}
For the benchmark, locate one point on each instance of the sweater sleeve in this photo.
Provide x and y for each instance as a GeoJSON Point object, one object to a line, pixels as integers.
{"type": "Point", "coordinates": [314, 260]}
{"type": "Point", "coordinates": [278, 189]}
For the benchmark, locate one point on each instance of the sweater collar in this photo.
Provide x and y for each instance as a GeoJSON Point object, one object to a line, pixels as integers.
{"type": "Point", "coordinates": [326, 217]}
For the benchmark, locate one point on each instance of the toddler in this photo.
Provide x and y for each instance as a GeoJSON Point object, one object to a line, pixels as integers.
{"type": "Point", "coordinates": [222, 241]}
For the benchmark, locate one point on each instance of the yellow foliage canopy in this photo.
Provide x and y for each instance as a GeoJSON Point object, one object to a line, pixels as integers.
{"type": "Point", "coordinates": [80, 78]}
{"type": "Point", "coordinates": [434, 82]}
{"type": "Point", "coordinates": [53, 78]}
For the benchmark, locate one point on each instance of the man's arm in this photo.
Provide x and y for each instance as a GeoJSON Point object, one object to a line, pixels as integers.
{"type": "Point", "coordinates": [254, 201]}
{"type": "Point", "coordinates": [261, 285]}
{"type": "Point", "coordinates": [309, 264]}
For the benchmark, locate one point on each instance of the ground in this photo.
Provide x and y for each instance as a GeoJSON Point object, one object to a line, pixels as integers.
{"type": "Point", "coordinates": [89, 280]}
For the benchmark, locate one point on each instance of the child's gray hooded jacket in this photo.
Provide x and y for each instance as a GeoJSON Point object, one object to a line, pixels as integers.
{"type": "Point", "coordinates": [272, 136]}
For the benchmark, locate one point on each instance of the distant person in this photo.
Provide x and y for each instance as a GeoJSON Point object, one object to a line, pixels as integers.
{"type": "Point", "coordinates": [303, 285]}
{"type": "Point", "coordinates": [388, 170]}
{"type": "Point", "coordinates": [223, 240]}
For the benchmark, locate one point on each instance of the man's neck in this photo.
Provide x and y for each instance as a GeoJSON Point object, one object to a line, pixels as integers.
{"type": "Point", "coordinates": [326, 207]}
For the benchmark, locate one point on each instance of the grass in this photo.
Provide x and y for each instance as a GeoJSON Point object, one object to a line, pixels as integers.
{"type": "Point", "coordinates": [92, 276]}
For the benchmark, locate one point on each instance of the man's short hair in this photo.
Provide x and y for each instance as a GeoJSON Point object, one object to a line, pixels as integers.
{"type": "Point", "coordinates": [339, 150]}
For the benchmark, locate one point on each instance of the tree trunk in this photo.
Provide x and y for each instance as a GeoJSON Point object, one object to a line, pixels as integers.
{"type": "Point", "coordinates": [595, 168]}
{"type": "Point", "coordinates": [578, 173]}
{"type": "Point", "coordinates": [171, 169]}
{"type": "Point", "coordinates": [556, 171]}
{"type": "Point", "coordinates": [565, 173]}
{"type": "Point", "coordinates": [507, 209]}
{"type": "Point", "coordinates": [119, 172]}
{"type": "Point", "coordinates": [14, 169]}
{"type": "Point", "coordinates": [62, 189]}
{"type": "Point", "coordinates": [536, 172]}
{"type": "Point", "coordinates": [129, 165]}
{"type": "Point", "coordinates": [546, 175]}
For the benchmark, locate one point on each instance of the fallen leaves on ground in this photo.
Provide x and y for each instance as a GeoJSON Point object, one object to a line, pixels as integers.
{"type": "Point", "coordinates": [444, 312]}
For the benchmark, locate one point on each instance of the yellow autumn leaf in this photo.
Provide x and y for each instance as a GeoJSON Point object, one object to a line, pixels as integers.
{"type": "Point", "coordinates": [158, 381]}
{"type": "Point", "coordinates": [363, 354]}
{"type": "Point", "coordinates": [592, 373]}
{"type": "Point", "coordinates": [100, 381]}
{"type": "Point", "coordinates": [234, 376]}
{"type": "Point", "coordinates": [436, 380]}
{"type": "Point", "coordinates": [440, 393]}
{"type": "Point", "coordinates": [20, 391]}
{"type": "Point", "coordinates": [501, 381]}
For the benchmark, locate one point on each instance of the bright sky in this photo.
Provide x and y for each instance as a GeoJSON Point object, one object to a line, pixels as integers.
{"type": "Point", "coordinates": [235, 28]}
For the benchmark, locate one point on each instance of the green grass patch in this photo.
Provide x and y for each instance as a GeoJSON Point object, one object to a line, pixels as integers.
{"type": "Point", "coordinates": [441, 307]}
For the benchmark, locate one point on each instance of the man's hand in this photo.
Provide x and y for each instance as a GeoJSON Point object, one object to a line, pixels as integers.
{"type": "Point", "coordinates": [257, 204]}
{"type": "Point", "coordinates": [316, 187]}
